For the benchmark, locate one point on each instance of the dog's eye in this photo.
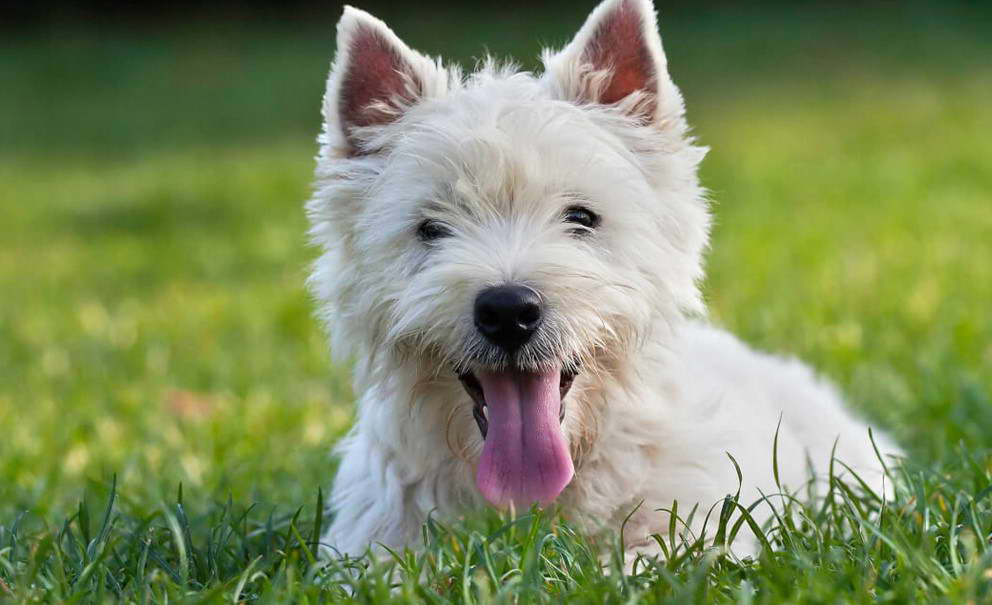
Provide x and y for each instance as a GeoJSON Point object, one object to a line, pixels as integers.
{"type": "Point", "coordinates": [584, 219]}
{"type": "Point", "coordinates": [431, 230]}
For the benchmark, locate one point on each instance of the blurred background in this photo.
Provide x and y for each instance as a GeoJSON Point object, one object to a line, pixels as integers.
{"type": "Point", "coordinates": [154, 161]}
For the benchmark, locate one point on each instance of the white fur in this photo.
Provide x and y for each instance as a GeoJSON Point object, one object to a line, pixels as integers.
{"type": "Point", "coordinates": [661, 399]}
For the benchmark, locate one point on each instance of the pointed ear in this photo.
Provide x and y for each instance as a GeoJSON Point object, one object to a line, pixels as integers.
{"type": "Point", "coordinates": [617, 59]}
{"type": "Point", "coordinates": [374, 79]}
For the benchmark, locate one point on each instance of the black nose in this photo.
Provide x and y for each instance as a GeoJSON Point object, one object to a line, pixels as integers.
{"type": "Point", "coordinates": [508, 315]}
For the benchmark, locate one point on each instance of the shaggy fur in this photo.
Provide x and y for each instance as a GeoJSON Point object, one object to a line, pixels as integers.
{"type": "Point", "coordinates": [496, 157]}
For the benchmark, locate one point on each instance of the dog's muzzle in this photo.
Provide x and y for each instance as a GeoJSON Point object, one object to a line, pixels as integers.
{"type": "Point", "coordinates": [518, 402]}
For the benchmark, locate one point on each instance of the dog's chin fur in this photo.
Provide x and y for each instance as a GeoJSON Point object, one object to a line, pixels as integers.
{"type": "Point", "coordinates": [659, 399]}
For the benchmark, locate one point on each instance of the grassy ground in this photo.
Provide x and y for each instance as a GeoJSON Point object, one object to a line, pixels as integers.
{"type": "Point", "coordinates": [154, 330]}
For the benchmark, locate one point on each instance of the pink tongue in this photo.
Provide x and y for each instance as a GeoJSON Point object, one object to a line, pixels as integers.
{"type": "Point", "coordinates": [525, 458]}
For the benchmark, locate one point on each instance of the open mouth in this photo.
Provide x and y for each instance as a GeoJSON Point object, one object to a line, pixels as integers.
{"type": "Point", "coordinates": [525, 455]}
{"type": "Point", "coordinates": [474, 389]}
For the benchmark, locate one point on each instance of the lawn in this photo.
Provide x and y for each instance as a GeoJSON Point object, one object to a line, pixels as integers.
{"type": "Point", "coordinates": [167, 402]}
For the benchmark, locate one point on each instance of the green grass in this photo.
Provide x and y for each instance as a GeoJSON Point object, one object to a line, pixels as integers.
{"type": "Point", "coordinates": [154, 330]}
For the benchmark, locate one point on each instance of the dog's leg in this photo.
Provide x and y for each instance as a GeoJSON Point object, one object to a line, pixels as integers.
{"type": "Point", "coordinates": [367, 502]}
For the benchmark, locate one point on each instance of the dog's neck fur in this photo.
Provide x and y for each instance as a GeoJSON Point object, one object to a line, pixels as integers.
{"type": "Point", "coordinates": [404, 400]}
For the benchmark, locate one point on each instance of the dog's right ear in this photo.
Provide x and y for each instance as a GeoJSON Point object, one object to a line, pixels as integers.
{"type": "Point", "coordinates": [374, 80]}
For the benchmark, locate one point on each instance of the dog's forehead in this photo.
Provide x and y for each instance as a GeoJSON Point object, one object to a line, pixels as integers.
{"type": "Point", "coordinates": [504, 145]}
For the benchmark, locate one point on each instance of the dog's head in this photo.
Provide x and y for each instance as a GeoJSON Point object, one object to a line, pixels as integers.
{"type": "Point", "coordinates": [515, 232]}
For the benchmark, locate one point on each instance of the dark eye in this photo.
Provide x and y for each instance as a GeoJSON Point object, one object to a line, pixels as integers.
{"type": "Point", "coordinates": [431, 230]}
{"type": "Point", "coordinates": [584, 219]}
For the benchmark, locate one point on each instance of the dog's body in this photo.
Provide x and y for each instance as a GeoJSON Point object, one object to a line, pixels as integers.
{"type": "Point", "coordinates": [512, 262]}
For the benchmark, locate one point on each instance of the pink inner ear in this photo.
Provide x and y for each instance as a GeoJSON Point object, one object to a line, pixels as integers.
{"type": "Point", "coordinates": [374, 77]}
{"type": "Point", "coordinates": [618, 44]}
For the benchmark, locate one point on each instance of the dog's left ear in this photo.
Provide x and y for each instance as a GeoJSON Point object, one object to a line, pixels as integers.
{"type": "Point", "coordinates": [617, 59]}
{"type": "Point", "coordinates": [374, 80]}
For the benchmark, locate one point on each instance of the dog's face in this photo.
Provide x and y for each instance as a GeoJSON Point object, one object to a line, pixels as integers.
{"type": "Point", "coordinates": [516, 232]}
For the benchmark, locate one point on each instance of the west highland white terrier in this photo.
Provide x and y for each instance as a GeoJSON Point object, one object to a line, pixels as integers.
{"type": "Point", "coordinates": [511, 261]}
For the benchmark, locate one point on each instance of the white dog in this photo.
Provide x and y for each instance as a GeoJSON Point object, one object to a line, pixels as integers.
{"type": "Point", "coordinates": [512, 262]}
